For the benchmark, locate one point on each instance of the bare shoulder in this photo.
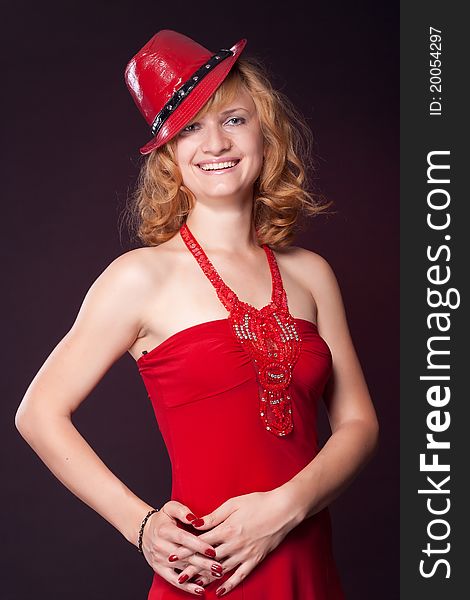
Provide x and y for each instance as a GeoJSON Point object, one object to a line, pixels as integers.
{"type": "Point", "coordinates": [321, 280]}
{"type": "Point", "coordinates": [136, 271]}
{"type": "Point", "coordinates": [311, 268]}
{"type": "Point", "coordinates": [130, 268]}
{"type": "Point", "coordinates": [298, 254]}
{"type": "Point", "coordinates": [120, 292]}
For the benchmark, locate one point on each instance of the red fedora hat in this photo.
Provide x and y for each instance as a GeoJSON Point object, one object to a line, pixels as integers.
{"type": "Point", "coordinates": [171, 78]}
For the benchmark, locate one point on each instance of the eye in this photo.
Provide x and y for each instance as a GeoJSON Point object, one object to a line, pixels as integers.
{"type": "Point", "coordinates": [240, 120]}
{"type": "Point", "coordinates": [189, 128]}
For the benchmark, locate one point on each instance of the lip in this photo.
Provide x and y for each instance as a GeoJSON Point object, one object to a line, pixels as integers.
{"type": "Point", "coordinates": [219, 160]}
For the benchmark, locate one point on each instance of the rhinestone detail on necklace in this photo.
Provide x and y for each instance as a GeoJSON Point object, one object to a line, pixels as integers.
{"type": "Point", "coordinates": [269, 335]}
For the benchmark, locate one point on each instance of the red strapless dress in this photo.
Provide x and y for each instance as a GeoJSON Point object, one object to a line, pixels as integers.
{"type": "Point", "coordinates": [206, 394]}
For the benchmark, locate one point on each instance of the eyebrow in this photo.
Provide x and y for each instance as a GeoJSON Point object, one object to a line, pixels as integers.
{"type": "Point", "coordinates": [225, 112]}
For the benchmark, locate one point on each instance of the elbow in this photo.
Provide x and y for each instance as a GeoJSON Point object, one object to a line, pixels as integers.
{"type": "Point", "coordinates": [366, 432]}
{"type": "Point", "coordinates": [34, 419]}
{"type": "Point", "coordinates": [20, 417]}
{"type": "Point", "coordinates": [370, 436]}
{"type": "Point", "coordinates": [28, 421]}
{"type": "Point", "coordinates": [23, 422]}
{"type": "Point", "coordinates": [374, 437]}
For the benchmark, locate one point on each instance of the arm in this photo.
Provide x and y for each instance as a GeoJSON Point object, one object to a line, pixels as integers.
{"type": "Point", "coordinates": [351, 413]}
{"type": "Point", "coordinates": [106, 326]}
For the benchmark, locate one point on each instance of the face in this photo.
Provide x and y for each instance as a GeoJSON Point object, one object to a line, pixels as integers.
{"type": "Point", "coordinates": [221, 154]}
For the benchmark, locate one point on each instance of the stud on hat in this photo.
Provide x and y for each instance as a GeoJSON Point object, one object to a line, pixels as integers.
{"type": "Point", "coordinates": [171, 78]}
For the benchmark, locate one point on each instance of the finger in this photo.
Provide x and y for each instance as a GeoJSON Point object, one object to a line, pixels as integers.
{"type": "Point", "coordinates": [198, 576]}
{"type": "Point", "coordinates": [204, 577]}
{"type": "Point", "coordinates": [224, 553]}
{"type": "Point", "coordinates": [180, 511]}
{"type": "Point", "coordinates": [243, 570]}
{"type": "Point", "coordinates": [187, 573]}
{"type": "Point", "coordinates": [217, 516]}
{"type": "Point", "coordinates": [181, 544]}
{"type": "Point", "coordinates": [164, 539]}
{"type": "Point", "coordinates": [201, 564]}
{"type": "Point", "coordinates": [230, 556]}
{"type": "Point", "coordinates": [172, 577]}
{"type": "Point", "coordinates": [217, 536]}
{"type": "Point", "coordinates": [181, 557]}
{"type": "Point", "coordinates": [201, 577]}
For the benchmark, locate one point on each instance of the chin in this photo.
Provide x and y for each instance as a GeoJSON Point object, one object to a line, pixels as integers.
{"type": "Point", "coordinates": [220, 191]}
{"type": "Point", "coordinates": [224, 193]}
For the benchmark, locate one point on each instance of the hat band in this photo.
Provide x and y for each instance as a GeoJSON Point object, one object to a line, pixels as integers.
{"type": "Point", "coordinates": [186, 88]}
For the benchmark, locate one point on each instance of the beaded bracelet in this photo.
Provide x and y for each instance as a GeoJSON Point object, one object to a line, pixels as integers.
{"type": "Point", "coordinates": [141, 532]}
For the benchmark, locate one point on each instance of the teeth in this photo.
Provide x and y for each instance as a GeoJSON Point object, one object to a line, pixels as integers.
{"type": "Point", "coordinates": [216, 166]}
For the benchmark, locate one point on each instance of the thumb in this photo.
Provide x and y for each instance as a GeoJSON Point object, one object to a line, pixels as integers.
{"type": "Point", "coordinates": [217, 516]}
{"type": "Point", "coordinates": [179, 511]}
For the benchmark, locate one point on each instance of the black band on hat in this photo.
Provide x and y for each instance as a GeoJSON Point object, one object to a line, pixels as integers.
{"type": "Point", "coordinates": [184, 90]}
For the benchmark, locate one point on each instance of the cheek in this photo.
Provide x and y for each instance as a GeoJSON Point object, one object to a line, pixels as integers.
{"type": "Point", "coordinates": [182, 152]}
{"type": "Point", "coordinates": [183, 160]}
{"type": "Point", "coordinates": [258, 146]}
{"type": "Point", "coordinates": [258, 151]}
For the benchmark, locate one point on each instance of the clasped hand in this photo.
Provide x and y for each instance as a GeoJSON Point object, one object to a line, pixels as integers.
{"type": "Point", "coordinates": [239, 533]}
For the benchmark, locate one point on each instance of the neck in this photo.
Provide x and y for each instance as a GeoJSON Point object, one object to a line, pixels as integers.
{"type": "Point", "coordinates": [223, 229]}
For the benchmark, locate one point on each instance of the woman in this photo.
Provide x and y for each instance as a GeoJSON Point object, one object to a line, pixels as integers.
{"type": "Point", "coordinates": [234, 378]}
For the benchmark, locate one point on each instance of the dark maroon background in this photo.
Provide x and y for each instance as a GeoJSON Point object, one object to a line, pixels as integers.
{"type": "Point", "coordinates": [69, 158]}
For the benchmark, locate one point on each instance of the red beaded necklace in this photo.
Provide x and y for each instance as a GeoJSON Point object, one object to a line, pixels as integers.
{"type": "Point", "coordinates": [268, 335]}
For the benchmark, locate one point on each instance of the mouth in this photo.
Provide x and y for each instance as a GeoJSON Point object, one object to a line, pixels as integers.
{"type": "Point", "coordinates": [218, 167]}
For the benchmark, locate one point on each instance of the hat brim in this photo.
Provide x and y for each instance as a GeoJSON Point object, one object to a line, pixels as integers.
{"type": "Point", "coordinates": [195, 100]}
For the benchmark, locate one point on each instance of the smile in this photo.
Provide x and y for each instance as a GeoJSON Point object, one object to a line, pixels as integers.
{"type": "Point", "coordinates": [219, 166]}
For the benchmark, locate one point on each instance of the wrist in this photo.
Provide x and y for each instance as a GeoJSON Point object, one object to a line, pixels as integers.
{"type": "Point", "coordinates": [296, 509]}
{"type": "Point", "coordinates": [142, 527]}
{"type": "Point", "coordinates": [134, 521]}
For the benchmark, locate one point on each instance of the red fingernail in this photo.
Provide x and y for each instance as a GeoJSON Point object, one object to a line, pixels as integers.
{"type": "Point", "coordinates": [210, 552]}
{"type": "Point", "coordinates": [220, 592]}
{"type": "Point", "coordinates": [190, 517]}
{"type": "Point", "coordinates": [172, 557]}
{"type": "Point", "coordinates": [199, 591]}
{"type": "Point", "coordinates": [182, 578]}
{"type": "Point", "coordinates": [217, 568]}
{"type": "Point", "coordinates": [199, 582]}
{"type": "Point", "coordinates": [198, 522]}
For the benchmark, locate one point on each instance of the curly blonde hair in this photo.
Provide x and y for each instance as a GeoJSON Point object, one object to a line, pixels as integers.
{"type": "Point", "coordinates": [160, 202]}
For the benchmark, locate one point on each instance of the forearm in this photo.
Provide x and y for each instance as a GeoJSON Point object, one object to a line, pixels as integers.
{"type": "Point", "coordinates": [72, 460]}
{"type": "Point", "coordinates": [345, 453]}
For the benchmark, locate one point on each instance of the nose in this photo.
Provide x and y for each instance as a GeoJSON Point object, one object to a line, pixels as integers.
{"type": "Point", "coordinates": [216, 141]}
